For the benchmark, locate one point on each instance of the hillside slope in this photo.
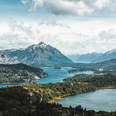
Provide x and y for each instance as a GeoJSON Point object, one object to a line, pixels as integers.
{"type": "Point", "coordinates": [19, 73]}
{"type": "Point", "coordinates": [93, 57]}
{"type": "Point", "coordinates": [39, 55]}
{"type": "Point", "coordinates": [106, 56]}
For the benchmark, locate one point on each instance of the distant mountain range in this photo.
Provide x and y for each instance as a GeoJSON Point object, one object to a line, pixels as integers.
{"type": "Point", "coordinates": [84, 58]}
{"type": "Point", "coordinates": [94, 57]}
{"type": "Point", "coordinates": [106, 56]}
{"type": "Point", "coordinates": [102, 67]}
{"type": "Point", "coordinates": [39, 55]}
{"type": "Point", "coordinates": [45, 55]}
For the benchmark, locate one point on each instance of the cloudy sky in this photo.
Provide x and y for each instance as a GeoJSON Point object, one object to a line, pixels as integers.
{"type": "Point", "coordinates": [72, 26]}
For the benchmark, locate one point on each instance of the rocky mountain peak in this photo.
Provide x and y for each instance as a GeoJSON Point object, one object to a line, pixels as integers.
{"type": "Point", "coordinates": [42, 45]}
{"type": "Point", "coordinates": [40, 54]}
{"type": "Point", "coordinates": [37, 46]}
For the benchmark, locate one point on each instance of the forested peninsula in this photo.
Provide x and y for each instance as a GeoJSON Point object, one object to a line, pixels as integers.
{"type": "Point", "coordinates": [28, 99]}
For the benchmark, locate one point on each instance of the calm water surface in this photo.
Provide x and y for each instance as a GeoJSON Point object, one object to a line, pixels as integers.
{"type": "Point", "coordinates": [99, 100]}
{"type": "Point", "coordinates": [54, 75]}
{"type": "Point", "coordinates": [5, 85]}
{"type": "Point", "coordinates": [57, 75]}
{"type": "Point", "coordinates": [104, 100]}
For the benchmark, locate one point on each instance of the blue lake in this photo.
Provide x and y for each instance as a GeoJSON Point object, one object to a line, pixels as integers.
{"type": "Point", "coordinates": [99, 100]}
{"type": "Point", "coordinates": [104, 100]}
{"type": "Point", "coordinates": [54, 75]}
{"type": "Point", "coordinates": [57, 75]}
{"type": "Point", "coordinates": [5, 85]}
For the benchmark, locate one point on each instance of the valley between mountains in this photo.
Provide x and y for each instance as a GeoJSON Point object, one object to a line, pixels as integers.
{"type": "Point", "coordinates": [26, 97]}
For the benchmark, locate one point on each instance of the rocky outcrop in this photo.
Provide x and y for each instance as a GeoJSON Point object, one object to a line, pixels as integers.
{"type": "Point", "coordinates": [5, 59]}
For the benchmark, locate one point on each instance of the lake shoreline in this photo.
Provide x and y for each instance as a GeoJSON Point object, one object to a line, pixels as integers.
{"type": "Point", "coordinates": [86, 100]}
{"type": "Point", "coordinates": [65, 97]}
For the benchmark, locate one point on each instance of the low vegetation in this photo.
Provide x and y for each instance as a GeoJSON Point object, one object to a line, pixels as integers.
{"type": "Point", "coordinates": [19, 73]}
{"type": "Point", "coordinates": [34, 100]}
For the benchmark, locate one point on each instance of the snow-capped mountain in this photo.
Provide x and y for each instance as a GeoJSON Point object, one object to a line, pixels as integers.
{"type": "Point", "coordinates": [5, 59]}
{"type": "Point", "coordinates": [39, 55]}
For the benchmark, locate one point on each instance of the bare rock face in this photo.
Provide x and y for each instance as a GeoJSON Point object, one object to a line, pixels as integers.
{"type": "Point", "coordinates": [5, 59]}
{"type": "Point", "coordinates": [39, 55]}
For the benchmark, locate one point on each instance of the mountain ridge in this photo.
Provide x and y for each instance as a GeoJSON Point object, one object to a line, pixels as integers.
{"type": "Point", "coordinates": [39, 54]}
{"type": "Point", "coordinates": [94, 57]}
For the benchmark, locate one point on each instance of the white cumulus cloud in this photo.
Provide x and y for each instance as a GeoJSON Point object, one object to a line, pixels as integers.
{"type": "Point", "coordinates": [78, 7]}
{"type": "Point", "coordinates": [70, 37]}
